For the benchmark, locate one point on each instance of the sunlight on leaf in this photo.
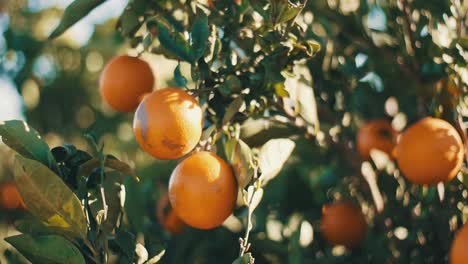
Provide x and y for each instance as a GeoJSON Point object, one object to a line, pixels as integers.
{"type": "Point", "coordinates": [48, 198]}
{"type": "Point", "coordinates": [273, 155]}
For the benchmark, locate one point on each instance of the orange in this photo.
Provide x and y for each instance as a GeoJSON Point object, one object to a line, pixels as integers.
{"type": "Point", "coordinates": [344, 224]}
{"type": "Point", "coordinates": [459, 251]}
{"type": "Point", "coordinates": [203, 190]}
{"type": "Point", "coordinates": [377, 134]}
{"type": "Point", "coordinates": [168, 123]}
{"type": "Point", "coordinates": [124, 81]}
{"type": "Point", "coordinates": [10, 198]}
{"type": "Point", "coordinates": [430, 151]}
{"type": "Point", "coordinates": [167, 217]}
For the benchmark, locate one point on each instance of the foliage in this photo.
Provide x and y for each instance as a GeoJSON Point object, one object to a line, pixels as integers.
{"type": "Point", "coordinates": [285, 85]}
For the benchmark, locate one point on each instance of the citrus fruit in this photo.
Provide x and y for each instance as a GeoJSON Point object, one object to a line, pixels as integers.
{"type": "Point", "coordinates": [168, 123]}
{"type": "Point", "coordinates": [376, 134]}
{"type": "Point", "coordinates": [459, 251]}
{"type": "Point", "coordinates": [203, 190]}
{"type": "Point", "coordinates": [10, 198]}
{"type": "Point", "coordinates": [430, 151]}
{"type": "Point", "coordinates": [124, 81]}
{"type": "Point", "coordinates": [167, 217]}
{"type": "Point", "coordinates": [343, 223]}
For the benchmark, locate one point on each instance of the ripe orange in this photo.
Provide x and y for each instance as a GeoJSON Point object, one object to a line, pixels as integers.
{"type": "Point", "coordinates": [343, 224]}
{"type": "Point", "coordinates": [203, 190]}
{"type": "Point", "coordinates": [168, 123]}
{"type": "Point", "coordinates": [167, 217]}
{"type": "Point", "coordinates": [124, 81]}
{"type": "Point", "coordinates": [377, 134]}
{"type": "Point", "coordinates": [430, 151]}
{"type": "Point", "coordinates": [10, 198]}
{"type": "Point", "coordinates": [459, 251]}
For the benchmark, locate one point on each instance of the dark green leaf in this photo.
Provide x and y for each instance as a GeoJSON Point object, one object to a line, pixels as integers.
{"type": "Point", "coordinates": [48, 198]}
{"type": "Point", "coordinates": [174, 43]}
{"type": "Point", "coordinates": [179, 79]}
{"type": "Point", "coordinates": [87, 167]}
{"type": "Point", "coordinates": [246, 259]}
{"type": "Point", "coordinates": [112, 190]}
{"type": "Point", "coordinates": [34, 227]}
{"type": "Point", "coordinates": [232, 109]}
{"type": "Point", "coordinates": [47, 249]}
{"type": "Point", "coordinates": [126, 242]}
{"type": "Point", "coordinates": [63, 153]}
{"type": "Point", "coordinates": [73, 13]}
{"type": "Point", "coordinates": [22, 138]}
{"type": "Point", "coordinates": [200, 33]}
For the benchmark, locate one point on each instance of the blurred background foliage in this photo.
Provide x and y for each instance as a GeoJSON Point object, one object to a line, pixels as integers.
{"type": "Point", "coordinates": [397, 60]}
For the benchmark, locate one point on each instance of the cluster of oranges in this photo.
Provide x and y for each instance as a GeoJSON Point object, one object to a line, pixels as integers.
{"type": "Point", "coordinates": [428, 152]}
{"type": "Point", "coordinates": [168, 125]}
{"type": "Point", "coordinates": [202, 191]}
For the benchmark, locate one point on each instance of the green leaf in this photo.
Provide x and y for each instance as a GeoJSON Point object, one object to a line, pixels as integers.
{"type": "Point", "coordinates": [174, 43]}
{"type": "Point", "coordinates": [34, 227]}
{"type": "Point", "coordinates": [199, 36]}
{"type": "Point", "coordinates": [232, 109]}
{"type": "Point", "coordinates": [112, 190]}
{"type": "Point", "coordinates": [47, 249]}
{"type": "Point", "coordinates": [87, 167]}
{"type": "Point", "coordinates": [272, 157]}
{"type": "Point", "coordinates": [245, 259]}
{"type": "Point", "coordinates": [256, 132]}
{"type": "Point", "coordinates": [130, 20]}
{"type": "Point", "coordinates": [73, 13]}
{"type": "Point", "coordinates": [22, 138]}
{"type": "Point", "coordinates": [240, 156]}
{"type": "Point", "coordinates": [179, 79]}
{"type": "Point", "coordinates": [126, 242]}
{"type": "Point", "coordinates": [48, 198]}
{"type": "Point", "coordinates": [283, 11]}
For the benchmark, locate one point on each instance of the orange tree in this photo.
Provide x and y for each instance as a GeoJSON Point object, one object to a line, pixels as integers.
{"type": "Point", "coordinates": [324, 87]}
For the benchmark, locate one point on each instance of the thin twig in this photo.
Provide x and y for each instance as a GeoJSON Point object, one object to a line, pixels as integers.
{"type": "Point", "coordinates": [245, 245]}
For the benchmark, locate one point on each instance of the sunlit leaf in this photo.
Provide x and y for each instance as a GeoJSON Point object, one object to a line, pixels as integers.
{"type": "Point", "coordinates": [280, 90]}
{"type": "Point", "coordinates": [273, 155]}
{"type": "Point", "coordinates": [22, 138]}
{"type": "Point", "coordinates": [240, 156]}
{"type": "Point", "coordinates": [156, 258]}
{"type": "Point", "coordinates": [199, 36]}
{"type": "Point", "coordinates": [48, 198]}
{"type": "Point", "coordinates": [232, 109]}
{"type": "Point", "coordinates": [73, 13]}
{"type": "Point", "coordinates": [47, 249]}
{"type": "Point", "coordinates": [307, 106]}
